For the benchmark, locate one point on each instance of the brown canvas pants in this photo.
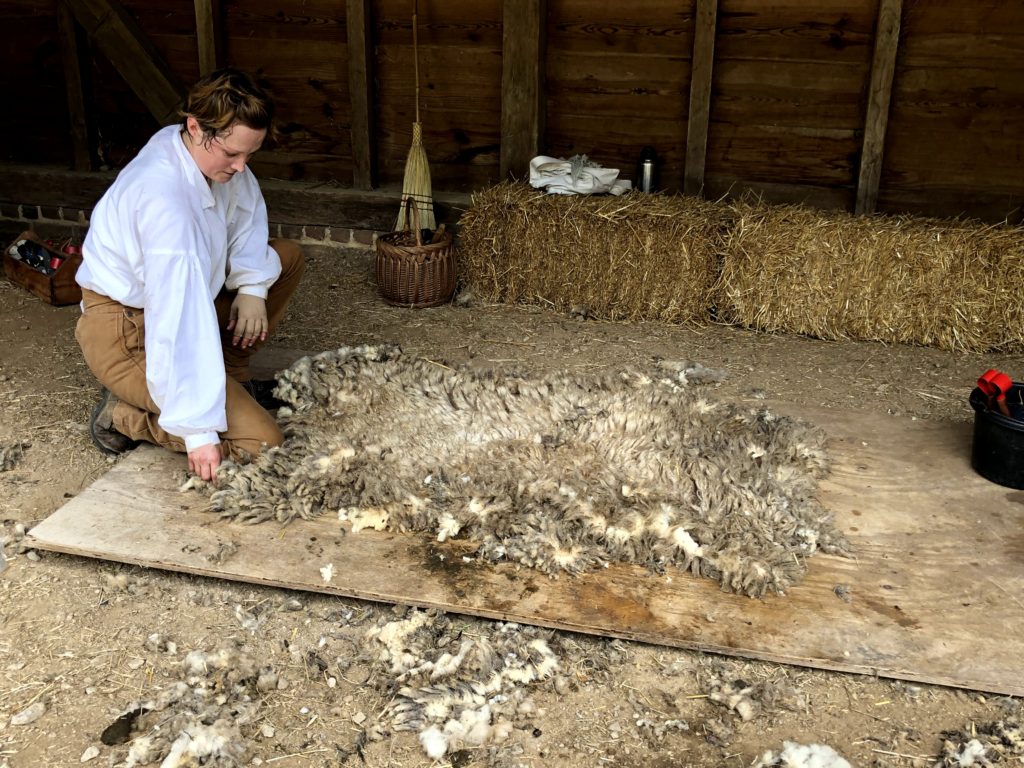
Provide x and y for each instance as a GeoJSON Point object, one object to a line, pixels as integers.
{"type": "Point", "coordinates": [112, 337]}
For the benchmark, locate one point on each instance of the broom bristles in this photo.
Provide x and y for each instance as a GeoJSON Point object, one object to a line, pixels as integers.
{"type": "Point", "coordinates": [416, 185]}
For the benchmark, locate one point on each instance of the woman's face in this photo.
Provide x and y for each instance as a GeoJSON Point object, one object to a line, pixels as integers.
{"type": "Point", "coordinates": [227, 154]}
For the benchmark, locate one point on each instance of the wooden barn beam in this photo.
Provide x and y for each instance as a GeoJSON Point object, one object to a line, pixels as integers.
{"type": "Point", "coordinates": [208, 35]}
{"type": "Point", "coordinates": [699, 115]}
{"type": "Point", "coordinates": [522, 84]}
{"type": "Point", "coordinates": [359, 23]}
{"type": "Point", "coordinates": [876, 119]}
{"type": "Point", "coordinates": [118, 37]}
{"type": "Point", "coordinates": [75, 53]}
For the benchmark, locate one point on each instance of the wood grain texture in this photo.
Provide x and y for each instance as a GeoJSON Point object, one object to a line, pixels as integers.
{"type": "Point", "coordinates": [938, 552]}
{"type": "Point", "coordinates": [77, 81]}
{"type": "Point", "coordinates": [700, 96]}
{"type": "Point", "coordinates": [522, 85]}
{"type": "Point", "coordinates": [209, 35]}
{"type": "Point", "coordinates": [876, 117]}
{"type": "Point", "coordinates": [359, 24]}
{"type": "Point", "coordinates": [118, 36]}
{"type": "Point", "coordinates": [828, 32]}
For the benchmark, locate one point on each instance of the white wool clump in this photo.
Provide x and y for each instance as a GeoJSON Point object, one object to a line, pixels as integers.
{"type": "Point", "coordinates": [447, 527]}
{"type": "Point", "coordinates": [795, 755]}
{"type": "Point", "coordinates": [973, 753]}
{"type": "Point", "coordinates": [200, 744]}
{"type": "Point", "coordinates": [367, 517]}
{"type": "Point", "coordinates": [470, 697]}
{"type": "Point", "coordinates": [434, 742]}
{"type": "Point", "coordinates": [393, 637]}
{"type": "Point", "coordinates": [682, 539]}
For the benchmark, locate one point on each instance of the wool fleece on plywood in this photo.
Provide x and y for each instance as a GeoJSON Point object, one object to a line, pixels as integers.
{"type": "Point", "coordinates": [562, 472]}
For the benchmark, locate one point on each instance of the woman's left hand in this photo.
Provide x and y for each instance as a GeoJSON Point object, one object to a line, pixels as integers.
{"type": "Point", "coordinates": [248, 320]}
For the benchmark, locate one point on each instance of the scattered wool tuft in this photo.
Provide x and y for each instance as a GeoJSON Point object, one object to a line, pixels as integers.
{"type": "Point", "coordinates": [795, 755]}
{"type": "Point", "coordinates": [563, 473]}
{"type": "Point", "coordinates": [206, 718]}
{"type": "Point", "coordinates": [983, 745]}
{"type": "Point", "coordinates": [469, 696]}
{"type": "Point", "coordinates": [11, 454]}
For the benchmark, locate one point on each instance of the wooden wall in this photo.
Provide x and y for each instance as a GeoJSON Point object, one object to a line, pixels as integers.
{"type": "Point", "coordinates": [789, 92]}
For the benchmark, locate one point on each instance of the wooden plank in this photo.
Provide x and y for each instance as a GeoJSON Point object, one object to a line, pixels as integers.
{"type": "Point", "coordinates": [827, 32]}
{"type": "Point", "coordinates": [208, 35]}
{"type": "Point", "coordinates": [75, 55]}
{"type": "Point", "coordinates": [359, 21]}
{"type": "Point", "coordinates": [939, 554]}
{"type": "Point", "coordinates": [522, 85]}
{"type": "Point", "coordinates": [700, 96]}
{"type": "Point", "coordinates": [876, 118]}
{"type": "Point", "coordinates": [118, 37]}
{"type": "Point", "coordinates": [644, 27]}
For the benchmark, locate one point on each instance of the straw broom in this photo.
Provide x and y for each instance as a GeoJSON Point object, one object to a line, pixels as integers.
{"type": "Point", "coordinates": [416, 184]}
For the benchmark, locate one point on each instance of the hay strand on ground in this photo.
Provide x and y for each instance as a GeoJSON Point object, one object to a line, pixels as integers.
{"type": "Point", "coordinates": [634, 257]}
{"type": "Point", "coordinates": [896, 279]}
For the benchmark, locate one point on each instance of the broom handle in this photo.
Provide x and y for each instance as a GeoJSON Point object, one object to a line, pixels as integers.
{"type": "Point", "coordinates": [416, 57]}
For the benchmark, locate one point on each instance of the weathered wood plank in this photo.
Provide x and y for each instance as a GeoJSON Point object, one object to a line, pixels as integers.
{"type": "Point", "coordinates": [783, 154]}
{"type": "Point", "coordinates": [876, 118]}
{"type": "Point", "coordinates": [647, 27]}
{"type": "Point", "coordinates": [788, 94]}
{"type": "Point", "coordinates": [319, 20]}
{"type": "Point", "coordinates": [453, 23]}
{"type": "Point", "coordinates": [700, 96]}
{"type": "Point", "coordinates": [209, 35]}
{"type": "Point", "coordinates": [75, 54]}
{"type": "Point", "coordinates": [118, 37]}
{"type": "Point", "coordinates": [931, 538]}
{"type": "Point", "coordinates": [359, 24]}
{"type": "Point", "coordinates": [522, 85]}
{"type": "Point", "coordinates": [828, 31]}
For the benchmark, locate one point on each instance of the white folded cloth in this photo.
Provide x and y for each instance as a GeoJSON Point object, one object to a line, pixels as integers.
{"type": "Point", "coordinates": [575, 176]}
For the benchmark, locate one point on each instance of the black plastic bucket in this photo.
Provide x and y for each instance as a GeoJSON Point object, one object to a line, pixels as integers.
{"type": "Point", "coordinates": [998, 450]}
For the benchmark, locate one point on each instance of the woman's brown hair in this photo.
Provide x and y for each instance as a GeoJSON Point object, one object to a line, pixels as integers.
{"type": "Point", "coordinates": [226, 97]}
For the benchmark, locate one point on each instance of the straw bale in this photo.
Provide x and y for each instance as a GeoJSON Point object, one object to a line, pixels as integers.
{"type": "Point", "coordinates": [950, 284]}
{"type": "Point", "coordinates": [635, 257]}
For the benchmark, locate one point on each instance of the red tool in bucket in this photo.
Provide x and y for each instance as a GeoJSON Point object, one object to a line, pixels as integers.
{"type": "Point", "coordinates": [994, 385]}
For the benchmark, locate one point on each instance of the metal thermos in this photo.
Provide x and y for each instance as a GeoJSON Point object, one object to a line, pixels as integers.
{"type": "Point", "coordinates": [647, 168]}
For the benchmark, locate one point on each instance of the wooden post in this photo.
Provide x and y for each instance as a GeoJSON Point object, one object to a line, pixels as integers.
{"type": "Point", "coordinates": [74, 51]}
{"type": "Point", "coordinates": [876, 118]}
{"type": "Point", "coordinates": [359, 23]}
{"type": "Point", "coordinates": [208, 35]}
{"type": "Point", "coordinates": [118, 37]}
{"type": "Point", "coordinates": [705, 24]}
{"type": "Point", "coordinates": [522, 84]}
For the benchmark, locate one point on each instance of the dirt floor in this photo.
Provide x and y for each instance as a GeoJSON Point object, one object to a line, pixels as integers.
{"type": "Point", "coordinates": [76, 645]}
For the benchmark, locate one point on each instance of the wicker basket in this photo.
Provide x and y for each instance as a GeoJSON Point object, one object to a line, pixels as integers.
{"type": "Point", "coordinates": [411, 273]}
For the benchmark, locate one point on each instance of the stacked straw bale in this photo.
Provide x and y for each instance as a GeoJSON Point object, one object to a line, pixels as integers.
{"type": "Point", "coordinates": [950, 284]}
{"type": "Point", "coordinates": [635, 257]}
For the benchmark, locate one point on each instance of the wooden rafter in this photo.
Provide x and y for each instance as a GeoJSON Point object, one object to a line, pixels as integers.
{"type": "Point", "coordinates": [75, 53]}
{"type": "Point", "coordinates": [359, 23]}
{"type": "Point", "coordinates": [876, 118]}
{"type": "Point", "coordinates": [117, 35]}
{"type": "Point", "coordinates": [522, 84]}
{"type": "Point", "coordinates": [699, 115]}
{"type": "Point", "coordinates": [208, 35]}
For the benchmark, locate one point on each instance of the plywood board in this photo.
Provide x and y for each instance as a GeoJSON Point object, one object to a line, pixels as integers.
{"type": "Point", "coordinates": [934, 591]}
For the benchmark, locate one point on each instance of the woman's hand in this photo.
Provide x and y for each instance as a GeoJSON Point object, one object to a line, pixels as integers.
{"type": "Point", "coordinates": [204, 460]}
{"type": "Point", "coordinates": [248, 320]}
